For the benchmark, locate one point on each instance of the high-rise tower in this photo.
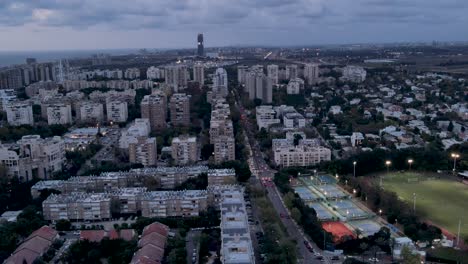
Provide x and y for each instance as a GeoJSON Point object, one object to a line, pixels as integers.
{"type": "Point", "coordinates": [201, 48]}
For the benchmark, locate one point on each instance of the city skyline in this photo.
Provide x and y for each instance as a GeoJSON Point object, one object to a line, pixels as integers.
{"type": "Point", "coordinates": [82, 24]}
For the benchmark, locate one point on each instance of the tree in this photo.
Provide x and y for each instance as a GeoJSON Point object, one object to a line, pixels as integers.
{"type": "Point", "coordinates": [450, 127]}
{"type": "Point", "coordinates": [409, 257]}
{"type": "Point", "coordinates": [63, 225]}
{"type": "Point", "coordinates": [296, 215]}
{"type": "Point", "coordinates": [297, 138]}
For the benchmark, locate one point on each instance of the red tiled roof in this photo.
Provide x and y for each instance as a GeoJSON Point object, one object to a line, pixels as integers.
{"type": "Point", "coordinates": [45, 232]}
{"type": "Point", "coordinates": [92, 235]}
{"type": "Point", "coordinates": [153, 239]}
{"type": "Point", "coordinates": [143, 260]}
{"type": "Point", "coordinates": [156, 227]}
{"type": "Point", "coordinates": [151, 252]}
{"type": "Point", "coordinates": [113, 234]}
{"type": "Point", "coordinates": [23, 255]}
{"type": "Point", "coordinates": [34, 246]}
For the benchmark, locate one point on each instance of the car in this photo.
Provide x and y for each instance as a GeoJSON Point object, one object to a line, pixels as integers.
{"type": "Point", "coordinates": [374, 260]}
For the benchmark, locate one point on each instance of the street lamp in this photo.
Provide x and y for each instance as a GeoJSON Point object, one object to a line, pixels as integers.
{"type": "Point", "coordinates": [455, 156]}
{"type": "Point", "coordinates": [410, 161]}
{"type": "Point", "coordinates": [388, 163]}
{"type": "Point", "coordinates": [354, 191]}
{"type": "Point", "coordinates": [354, 168]}
{"type": "Point", "coordinates": [380, 212]}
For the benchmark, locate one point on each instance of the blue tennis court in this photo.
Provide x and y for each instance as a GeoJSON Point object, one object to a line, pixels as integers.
{"type": "Point", "coordinates": [348, 209]}
{"type": "Point", "coordinates": [322, 212]}
{"type": "Point", "coordinates": [366, 227]}
{"type": "Point", "coordinates": [331, 191]}
{"type": "Point", "coordinates": [327, 179]}
{"type": "Point", "coordinates": [305, 193]}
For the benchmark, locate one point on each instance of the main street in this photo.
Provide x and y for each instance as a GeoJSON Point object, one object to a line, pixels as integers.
{"type": "Point", "coordinates": [263, 171]}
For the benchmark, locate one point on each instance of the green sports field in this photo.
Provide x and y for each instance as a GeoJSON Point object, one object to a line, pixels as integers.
{"type": "Point", "coordinates": [443, 201]}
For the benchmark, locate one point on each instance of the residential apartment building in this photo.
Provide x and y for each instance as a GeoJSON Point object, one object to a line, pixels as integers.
{"type": "Point", "coordinates": [154, 108]}
{"type": "Point", "coordinates": [311, 73]}
{"type": "Point", "coordinates": [295, 86]}
{"type": "Point", "coordinates": [77, 207]}
{"type": "Point", "coordinates": [221, 177]}
{"type": "Point", "coordinates": [294, 120]}
{"type": "Point", "coordinates": [220, 83]}
{"type": "Point", "coordinates": [241, 73]}
{"type": "Point", "coordinates": [222, 132]}
{"type": "Point", "coordinates": [307, 152]}
{"type": "Point", "coordinates": [188, 203]}
{"type": "Point", "coordinates": [132, 73]}
{"type": "Point", "coordinates": [91, 112]}
{"type": "Point", "coordinates": [291, 72]}
{"type": "Point", "coordinates": [155, 73]}
{"type": "Point", "coordinates": [19, 113]}
{"type": "Point", "coordinates": [59, 114]}
{"type": "Point", "coordinates": [33, 157]}
{"type": "Point", "coordinates": [139, 128]}
{"type": "Point", "coordinates": [184, 150]}
{"type": "Point", "coordinates": [6, 96]}
{"type": "Point", "coordinates": [143, 151]}
{"type": "Point", "coordinates": [199, 73]}
{"type": "Point", "coordinates": [266, 116]}
{"type": "Point", "coordinates": [273, 73]}
{"type": "Point", "coordinates": [354, 74]}
{"type": "Point", "coordinates": [236, 243]}
{"type": "Point", "coordinates": [180, 109]}
{"type": "Point", "coordinates": [259, 86]}
{"type": "Point", "coordinates": [117, 110]}
{"type": "Point", "coordinates": [177, 77]}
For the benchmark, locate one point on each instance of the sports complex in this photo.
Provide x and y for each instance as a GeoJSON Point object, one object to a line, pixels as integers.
{"type": "Point", "coordinates": [340, 214]}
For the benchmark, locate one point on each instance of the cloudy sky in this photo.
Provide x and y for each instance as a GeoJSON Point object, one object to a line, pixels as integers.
{"type": "Point", "coordinates": [102, 24]}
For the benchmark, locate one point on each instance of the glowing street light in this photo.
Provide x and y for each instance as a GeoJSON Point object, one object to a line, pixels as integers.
{"type": "Point", "coordinates": [380, 211]}
{"type": "Point", "coordinates": [388, 163]}
{"type": "Point", "coordinates": [455, 156]}
{"type": "Point", "coordinates": [410, 162]}
{"type": "Point", "coordinates": [354, 168]}
{"type": "Point", "coordinates": [354, 191]}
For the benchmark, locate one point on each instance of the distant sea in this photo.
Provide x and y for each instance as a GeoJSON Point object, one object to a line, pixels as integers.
{"type": "Point", "coordinates": [19, 57]}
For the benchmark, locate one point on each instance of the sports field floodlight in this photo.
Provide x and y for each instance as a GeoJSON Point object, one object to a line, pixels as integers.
{"type": "Point", "coordinates": [455, 156]}
{"type": "Point", "coordinates": [354, 168]}
{"type": "Point", "coordinates": [410, 162]}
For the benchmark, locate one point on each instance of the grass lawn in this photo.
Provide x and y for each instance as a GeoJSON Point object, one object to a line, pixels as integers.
{"type": "Point", "coordinates": [443, 201]}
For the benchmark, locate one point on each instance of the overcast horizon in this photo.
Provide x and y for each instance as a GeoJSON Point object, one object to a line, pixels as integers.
{"type": "Point", "coordinates": [47, 25]}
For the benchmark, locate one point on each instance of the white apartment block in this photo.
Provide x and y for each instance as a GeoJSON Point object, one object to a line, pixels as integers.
{"type": "Point", "coordinates": [77, 206]}
{"type": "Point", "coordinates": [294, 120]}
{"type": "Point", "coordinates": [154, 108]}
{"type": "Point", "coordinates": [266, 116]}
{"type": "Point", "coordinates": [155, 73]}
{"type": "Point", "coordinates": [236, 243]}
{"type": "Point", "coordinates": [140, 128]}
{"type": "Point", "coordinates": [306, 153]}
{"type": "Point", "coordinates": [184, 150]}
{"type": "Point", "coordinates": [19, 113]}
{"type": "Point", "coordinates": [273, 73]}
{"type": "Point", "coordinates": [117, 110]}
{"type": "Point", "coordinates": [354, 74]}
{"type": "Point", "coordinates": [132, 73]}
{"type": "Point", "coordinates": [143, 150]}
{"type": "Point", "coordinates": [295, 86]}
{"type": "Point", "coordinates": [224, 149]}
{"type": "Point", "coordinates": [6, 96]}
{"type": "Point", "coordinates": [59, 114]}
{"type": "Point", "coordinates": [291, 71]}
{"type": "Point", "coordinates": [221, 177]}
{"type": "Point", "coordinates": [311, 73]}
{"type": "Point", "coordinates": [199, 73]}
{"type": "Point", "coordinates": [188, 203]}
{"type": "Point", "coordinates": [179, 106]}
{"type": "Point", "coordinates": [91, 112]}
{"type": "Point", "coordinates": [33, 157]}
{"type": "Point", "coordinates": [220, 84]}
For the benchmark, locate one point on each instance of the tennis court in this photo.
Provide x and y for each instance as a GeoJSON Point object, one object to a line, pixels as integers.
{"type": "Point", "coordinates": [338, 229]}
{"type": "Point", "coordinates": [305, 193]}
{"type": "Point", "coordinates": [348, 209]}
{"type": "Point", "coordinates": [327, 179]}
{"type": "Point", "coordinates": [366, 227]}
{"type": "Point", "coordinates": [331, 191]}
{"type": "Point", "coordinates": [322, 212]}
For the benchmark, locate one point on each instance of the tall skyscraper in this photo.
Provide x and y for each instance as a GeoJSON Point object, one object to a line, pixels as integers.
{"type": "Point", "coordinates": [201, 48]}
